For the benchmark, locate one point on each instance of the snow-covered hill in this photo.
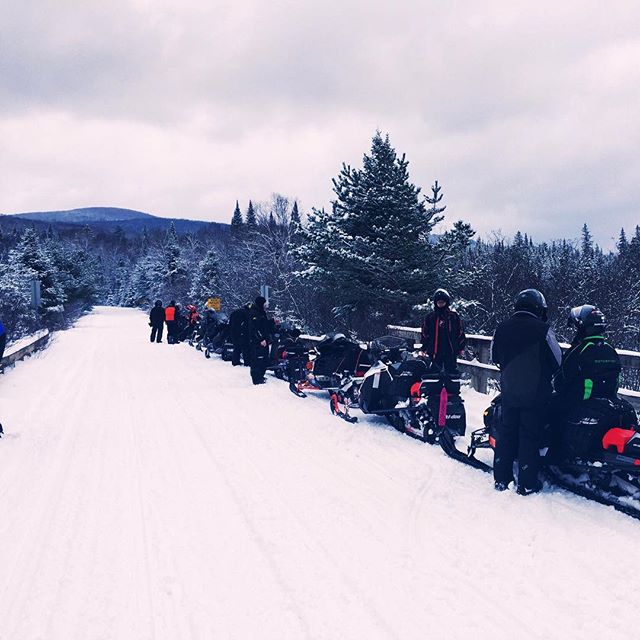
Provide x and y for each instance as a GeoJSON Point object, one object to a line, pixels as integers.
{"type": "Point", "coordinates": [86, 215]}
{"type": "Point", "coordinates": [146, 492]}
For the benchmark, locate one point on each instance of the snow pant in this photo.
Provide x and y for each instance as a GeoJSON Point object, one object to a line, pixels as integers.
{"type": "Point", "coordinates": [3, 344]}
{"type": "Point", "coordinates": [240, 348]}
{"type": "Point", "coordinates": [171, 331]}
{"type": "Point", "coordinates": [446, 361]}
{"type": "Point", "coordinates": [519, 436]}
{"type": "Point", "coordinates": [259, 363]}
{"type": "Point", "coordinates": [156, 333]}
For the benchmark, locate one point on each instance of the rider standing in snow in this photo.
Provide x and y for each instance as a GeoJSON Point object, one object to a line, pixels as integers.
{"type": "Point", "coordinates": [238, 321]}
{"type": "Point", "coordinates": [528, 355]}
{"type": "Point", "coordinates": [156, 321]}
{"type": "Point", "coordinates": [259, 330]}
{"type": "Point", "coordinates": [170, 319]}
{"type": "Point", "coordinates": [591, 368]}
{"type": "Point", "coordinates": [443, 337]}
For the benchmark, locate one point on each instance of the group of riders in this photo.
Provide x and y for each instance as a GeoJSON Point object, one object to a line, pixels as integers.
{"type": "Point", "coordinates": [539, 385]}
{"type": "Point", "coordinates": [250, 331]}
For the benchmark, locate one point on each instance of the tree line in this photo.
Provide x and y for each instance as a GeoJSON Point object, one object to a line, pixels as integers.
{"type": "Point", "coordinates": [373, 258]}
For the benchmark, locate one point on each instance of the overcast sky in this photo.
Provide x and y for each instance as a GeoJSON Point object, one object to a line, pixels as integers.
{"type": "Point", "coordinates": [528, 113]}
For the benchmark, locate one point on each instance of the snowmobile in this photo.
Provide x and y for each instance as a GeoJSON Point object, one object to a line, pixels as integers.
{"type": "Point", "coordinates": [333, 361]}
{"type": "Point", "coordinates": [415, 396]}
{"type": "Point", "coordinates": [205, 329]}
{"type": "Point", "coordinates": [593, 451]}
{"type": "Point", "coordinates": [288, 357]}
{"type": "Point", "coordinates": [217, 340]}
{"type": "Point", "coordinates": [383, 385]}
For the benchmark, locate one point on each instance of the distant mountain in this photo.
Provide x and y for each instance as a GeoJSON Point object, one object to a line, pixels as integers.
{"type": "Point", "coordinates": [86, 215]}
{"type": "Point", "coordinates": [107, 219]}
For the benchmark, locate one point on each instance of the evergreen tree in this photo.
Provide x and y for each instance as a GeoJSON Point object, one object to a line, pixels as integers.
{"type": "Point", "coordinates": [623, 243]}
{"type": "Point", "coordinates": [207, 280]}
{"type": "Point", "coordinates": [252, 221]}
{"type": "Point", "coordinates": [236, 220]}
{"type": "Point", "coordinates": [175, 272]}
{"type": "Point", "coordinates": [36, 264]}
{"type": "Point", "coordinates": [373, 252]}
{"type": "Point", "coordinates": [296, 222]}
{"type": "Point", "coordinates": [587, 242]}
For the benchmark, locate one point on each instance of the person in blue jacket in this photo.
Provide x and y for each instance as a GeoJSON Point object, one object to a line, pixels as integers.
{"type": "Point", "coordinates": [3, 339]}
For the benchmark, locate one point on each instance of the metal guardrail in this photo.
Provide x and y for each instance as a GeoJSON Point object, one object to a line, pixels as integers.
{"type": "Point", "coordinates": [24, 348]}
{"type": "Point", "coordinates": [482, 373]}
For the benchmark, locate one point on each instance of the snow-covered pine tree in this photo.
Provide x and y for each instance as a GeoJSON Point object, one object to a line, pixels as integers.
{"type": "Point", "coordinates": [251, 219]}
{"type": "Point", "coordinates": [175, 279]}
{"type": "Point", "coordinates": [236, 220]}
{"type": "Point", "coordinates": [295, 220]}
{"type": "Point", "coordinates": [35, 263]}
{"type": "Point", "coordinates": [372, 253]}
{"type": "Point", "coordinates": [207, 279]}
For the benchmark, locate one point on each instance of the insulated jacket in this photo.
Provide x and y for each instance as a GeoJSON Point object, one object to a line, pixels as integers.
{"type": "Point", "coordinates": [259, 326]}
{"type": "Point", "coordinates": [170, 314]}
{"type": "Point", "coordinates": [528, 355]}
{"type": "Point", "coordinates": [590, 369]}
{"type": "Point", "coordinates": [238, 323]}
{"type": "Point", "coordinates": [157, 316]}
{"type": "Point", "coordinates": [443, 333]}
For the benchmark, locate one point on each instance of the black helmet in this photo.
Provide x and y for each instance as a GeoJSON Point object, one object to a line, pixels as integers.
{"type": "Point", "coordinates": [441, 294]}
{"type": "Point", "coordinates": [588, 319]}
{"type": "Point", "coordinates": [533, 301]}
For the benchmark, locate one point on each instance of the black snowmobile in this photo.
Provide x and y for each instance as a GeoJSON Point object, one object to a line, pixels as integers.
{"type": "Point", "coordinates": [594, 451]}
{"type": "Point", "coordinates": [413, 395]}
{"type": "Point", "coordinates": [205, 330]}
{"type": "Point", "coordinates": [289, 357]}
{"type": "Point", "coordinates": [334, 359]}
{"type": "Point", "coordinates": [217, 338]}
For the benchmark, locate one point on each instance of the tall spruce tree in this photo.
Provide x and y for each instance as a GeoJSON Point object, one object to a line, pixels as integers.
{"type": "Point", "coordinates": [35, 263]}
{"type": "Point", "coordinates": [207, 279]}
{"type": "Point", "coordinates": [236, 220]}
{"type": "Point", "coordinates": [372, 251]}
{"type": "Point", "coordinates": [251, 219]}
{"type": "Point", "coordinates": [295, 220]}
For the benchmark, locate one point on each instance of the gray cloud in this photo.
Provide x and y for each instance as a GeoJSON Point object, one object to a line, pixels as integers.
{"type": "Point", "coordinates": [525, 112]}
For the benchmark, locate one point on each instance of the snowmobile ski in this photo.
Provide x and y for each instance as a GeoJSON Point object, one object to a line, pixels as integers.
{"type": "Point", "coordinates": [294, 389]}
{"type": "Point", "coordinates": [447, 443]}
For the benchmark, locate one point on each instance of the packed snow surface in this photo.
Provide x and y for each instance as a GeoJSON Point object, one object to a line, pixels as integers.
{"type": "Point", "coordinates": [146, 492]}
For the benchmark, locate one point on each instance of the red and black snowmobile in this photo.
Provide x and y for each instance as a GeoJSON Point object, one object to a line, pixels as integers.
{"type": "Point", "coordinates": [289, 357]}
{"type": "Point", "coordinates": [413, 395]}
{"type": "Point", "coordinates": [333, 361]}
{"type": "Point", "coordinates": [594, 451]}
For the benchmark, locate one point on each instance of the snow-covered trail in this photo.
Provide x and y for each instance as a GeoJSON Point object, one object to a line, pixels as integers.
{"type": "Point", "coordinates": [146, 492]}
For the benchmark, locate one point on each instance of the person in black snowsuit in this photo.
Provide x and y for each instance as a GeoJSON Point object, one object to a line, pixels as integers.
{"type": "Point", "coordinates": [181, 324]}
{"type": "Point", "coordinates": [156, 321]}
{"type": "Point", "coordinates": [238, 330]}
{"type": "Point", "coordinates": [443, 337]}
{"type": "Point", "coordinates": [259, 331]}
{"type": "Point", "coordinates": [526, 351]}
{"type": "Point", "coordinates": [591, 368]}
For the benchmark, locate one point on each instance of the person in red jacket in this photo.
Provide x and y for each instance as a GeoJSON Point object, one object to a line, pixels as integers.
{"type": "Point", "coordinates": [170, 319]}
{"type": "Point", "coordinates": [443, 337]}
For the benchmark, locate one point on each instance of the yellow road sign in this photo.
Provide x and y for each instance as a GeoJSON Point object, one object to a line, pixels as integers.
{"type": "Point", "coordinates": [214, 303]}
